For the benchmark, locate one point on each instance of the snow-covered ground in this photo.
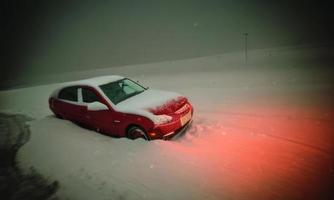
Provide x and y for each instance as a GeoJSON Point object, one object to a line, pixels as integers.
{"type": "Point", "coordinates": [262, 130]}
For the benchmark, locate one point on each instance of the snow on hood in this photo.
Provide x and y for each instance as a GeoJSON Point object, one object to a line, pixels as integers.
{"type": "Point", "coordinates": [150, 99]}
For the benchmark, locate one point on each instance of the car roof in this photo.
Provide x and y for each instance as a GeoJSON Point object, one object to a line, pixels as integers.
{"type": "Point", "coordinates": [96, 81]}
{"type": "Point", "coordinates": [92, 82]}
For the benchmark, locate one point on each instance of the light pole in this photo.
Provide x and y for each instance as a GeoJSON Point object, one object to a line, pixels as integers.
{"type": "Point", "coordinates": [246, 47]}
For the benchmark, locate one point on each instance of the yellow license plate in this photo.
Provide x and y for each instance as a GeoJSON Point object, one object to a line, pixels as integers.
{"type": "Point", "coordinates": [185, 118]}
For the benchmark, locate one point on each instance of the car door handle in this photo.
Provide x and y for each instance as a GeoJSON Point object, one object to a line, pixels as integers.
{"type": "Point", "coordinates": [117, 121]}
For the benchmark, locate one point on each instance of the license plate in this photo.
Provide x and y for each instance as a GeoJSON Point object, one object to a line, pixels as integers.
{"type": "Point", "coordinates": [185, 118]}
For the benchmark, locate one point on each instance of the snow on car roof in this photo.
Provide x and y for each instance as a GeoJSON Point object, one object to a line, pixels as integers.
{"type": "Point", "coordinates": [96, 81]}
{"type": "Point", "coordinates": [93, 82]}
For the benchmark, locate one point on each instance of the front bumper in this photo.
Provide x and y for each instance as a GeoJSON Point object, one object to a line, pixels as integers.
{"type": "Point", "coordinates": [178, 133]}
{"type": "Point", "coordinates": [170, 130]}
{"type": "Point", "coordinates": [175, 128]}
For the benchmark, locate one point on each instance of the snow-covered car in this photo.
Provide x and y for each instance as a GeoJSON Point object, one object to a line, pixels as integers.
{"type": "Point", "coordinates": [120, 107]}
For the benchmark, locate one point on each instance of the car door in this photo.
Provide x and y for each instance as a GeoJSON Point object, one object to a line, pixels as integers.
{"type": "Point", "coordinates": [69, 106]}
{"type": "Point", "coordinates": [102, 120]}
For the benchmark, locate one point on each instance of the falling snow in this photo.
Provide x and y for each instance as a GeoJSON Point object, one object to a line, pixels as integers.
{"type": "Point", "coordinates": [261, 131]}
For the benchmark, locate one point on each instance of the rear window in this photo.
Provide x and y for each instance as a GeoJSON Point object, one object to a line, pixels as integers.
{"type": "Point", "coordinates": [69, 93]}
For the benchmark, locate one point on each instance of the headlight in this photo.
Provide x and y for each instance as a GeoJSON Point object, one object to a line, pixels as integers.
{"type": "Point", "coordinates": [162, 119]}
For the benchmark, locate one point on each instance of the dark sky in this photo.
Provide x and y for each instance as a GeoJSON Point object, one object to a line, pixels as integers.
{"type": "Point", "coordinates": [41, 37]}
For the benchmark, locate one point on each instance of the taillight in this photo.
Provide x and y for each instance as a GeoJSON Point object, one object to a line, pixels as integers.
{"type": "Point", "coordinates": [51, 102]}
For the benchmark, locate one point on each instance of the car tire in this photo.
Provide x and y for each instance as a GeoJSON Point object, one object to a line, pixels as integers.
{"type": "Point", "coordinates": [59, 116]}
{"type": "Point", "coordinates": [135, 132]}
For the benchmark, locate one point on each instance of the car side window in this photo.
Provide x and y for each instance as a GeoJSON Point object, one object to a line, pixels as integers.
{"type": "Point", "coordinates": [88, 96]}
{"type": "Point", "coordinates": [69, 93]}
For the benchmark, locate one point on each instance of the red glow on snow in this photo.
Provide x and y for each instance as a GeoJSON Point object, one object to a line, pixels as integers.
{"type": "Point", "coordinates": [277, 153]}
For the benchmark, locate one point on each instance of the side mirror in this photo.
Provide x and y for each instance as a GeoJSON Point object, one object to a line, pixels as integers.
{"type": "Point", "coordinates": [97, 106]}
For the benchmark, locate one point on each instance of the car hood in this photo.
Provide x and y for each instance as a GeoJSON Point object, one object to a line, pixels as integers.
{"type": "Point", "coordinates": [147, 101]}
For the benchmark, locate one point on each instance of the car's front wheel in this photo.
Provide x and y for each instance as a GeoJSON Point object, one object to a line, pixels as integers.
{"type": "Point", "coordinates": [135, 132]}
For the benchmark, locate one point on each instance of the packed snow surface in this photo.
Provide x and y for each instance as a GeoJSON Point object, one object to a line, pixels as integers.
{"type": "Point", "coordinates": [261, 130]}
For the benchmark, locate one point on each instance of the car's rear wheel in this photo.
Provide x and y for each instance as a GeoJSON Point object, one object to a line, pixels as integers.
{"type": "Point", "coordinates": [59, 116]}
{"type": "Point", "coordinates": [135, 132]}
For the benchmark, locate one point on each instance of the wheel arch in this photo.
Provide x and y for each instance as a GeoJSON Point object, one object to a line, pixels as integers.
{"type": "Point", "coordinates": [133, 125]}
{"type": "Point", "coordinates": [147, 136]}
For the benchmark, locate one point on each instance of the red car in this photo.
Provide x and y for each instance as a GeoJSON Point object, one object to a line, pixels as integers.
{"type": "Point", "coordinates": [120, 107]}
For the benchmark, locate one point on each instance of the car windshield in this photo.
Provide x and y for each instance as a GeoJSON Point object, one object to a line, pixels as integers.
{"type": "Point", "coordinates": [120, 90]}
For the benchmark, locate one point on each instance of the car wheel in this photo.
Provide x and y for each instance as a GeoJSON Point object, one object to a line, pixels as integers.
{"type": "Point", "coordinates": [59, 116]}
{"type": "Point", "coordinates": [135, 132]}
